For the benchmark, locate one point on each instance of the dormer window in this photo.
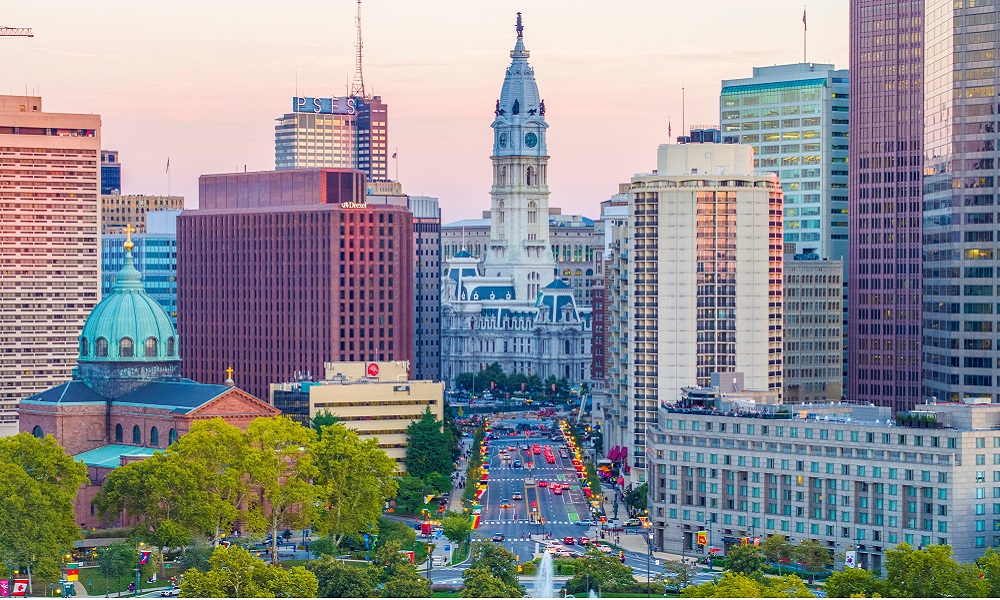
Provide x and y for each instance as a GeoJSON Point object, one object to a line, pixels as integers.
{"type": "Point", "coordinates": [101, 347]}
{"type": "Point", "coordinates": [126, 348]}
{"type": "Point", "coordinates": [84, 349]}
{"type": "Point", "coordinates": [151, 347]}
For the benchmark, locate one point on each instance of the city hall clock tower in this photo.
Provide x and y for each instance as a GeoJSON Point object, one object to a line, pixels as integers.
{"type": "Point", "coordinates": [519, 214]}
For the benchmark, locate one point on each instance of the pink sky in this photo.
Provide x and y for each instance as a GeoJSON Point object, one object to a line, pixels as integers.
{"type": "Point", "coordinates": [202, 82]}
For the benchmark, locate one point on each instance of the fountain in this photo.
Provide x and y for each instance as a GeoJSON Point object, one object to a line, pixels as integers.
{"type": "Point", "coordinates": [544, 584]}
{"type": "Point", "coordinates": [592, 594]}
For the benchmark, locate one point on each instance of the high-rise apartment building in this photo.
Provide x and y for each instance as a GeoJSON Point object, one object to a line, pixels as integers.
{"type": "Point", "coordinates": [812, 330]}
{"type": "Point", "coordinates": [426, 272]}
{"type": "Point", "coordinates": [796, 118]}
{"type": "Point", "coordinates": [885, 195]}
{"type": "Point", "coordinates": [119, 210]}
{"type": "Point", "coordinates": [280, 272]}
{"type": "Point", "coordinates": [704, 280]}
{"type": "Point", "coordinates": [50, 228]}
{"type": "Point", "coordinates": [961, 258]}
{"type": "Point", "coordinates": [155, 255]}
{"type": "Point", "coordinates": [111, 173]}
{"type": "Point", "coordinates": [340, 133]}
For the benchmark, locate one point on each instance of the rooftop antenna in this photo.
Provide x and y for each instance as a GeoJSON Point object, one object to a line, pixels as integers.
{"type": "Point", "coordinates": [358, 85]}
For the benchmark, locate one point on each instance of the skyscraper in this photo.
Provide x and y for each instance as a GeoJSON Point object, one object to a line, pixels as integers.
{"type": "Point", "coordinates": [280, 272]}
{"type": "Point", "coordinates": [961, 267]}
{"type": "Point", "coordinates": [886, 156]}
{"type": "Point", "coordinates": [50, 241]}
{"type": "Point", "coordinates": [704, 281]}
{"type": "Point", "coordinates": [339, 133]}
{"type": "Point", "coordinates": [111, 172]}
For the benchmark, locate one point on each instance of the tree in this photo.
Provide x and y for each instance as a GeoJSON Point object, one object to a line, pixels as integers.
{"type": "Point", "coordinates": [340, 580]}
{"type": "Point", "coordinates": [776, 549]}
{"type": "Point", "coordinates": [457, 527]}
{"type": "Point", "coordinates": [931, 573]}
{"type": "Point", "coordinates": [235, 573]}
{"type": "Point", "coordinates": [215, 453]}
{"type": "Point", "coordinates": [989, 563]}
{"type": "Point", "coordinates": [428, 447]}
{"type": "Point", "coordinates": [280, 465]}
{"type": "Point", "coordinates": [37, 491]}
{"type": "Point", "coordinates": [161, 492]}
{"type": "Point", "coordinates": [354, 480]}
{"type": "Point", "coordinates": [746, 560]}
{"type": "Point", "coordinates": [787, 586]}
{"type": "Point", "coordinates": [731, 585]}
{"type": "Point", "coordinates": [676, 574]}
{"type": "Point", "coordinates": [852, 583]}
{"type": "Point", "coordinates": [406, 582]}
{"type": "Point", "coordinates": [814, 556]}
{"type": "Point", "coordinates": [323, 418]}
{"type": "Point", "coordinates": [636, 499]}
{"type": "Point", "coordinates": [441, 484]}
{"type": "Point", "coordinates": [599, 571]}
{"type": "Point", "coordinates": [492, 574]}
{"type": "Point", "coordinates": [116, 561]}
{"type": "Point", "coordinates": [411, 493]}
{"type": "Point", "coordinates": [196, 554]}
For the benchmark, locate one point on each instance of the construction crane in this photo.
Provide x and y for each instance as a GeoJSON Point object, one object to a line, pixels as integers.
{"type": "Point", "coordinates": [16, 32]}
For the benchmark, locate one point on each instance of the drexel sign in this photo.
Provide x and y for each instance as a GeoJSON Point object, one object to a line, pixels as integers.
{"type": "Point", "coordinates": [353, 205]}
{"type": "Point", "coordinates": [324, 106]}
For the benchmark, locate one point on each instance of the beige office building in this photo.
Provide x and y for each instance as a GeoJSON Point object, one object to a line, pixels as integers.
{"type": "Point", "coordinates": [812, 331]}
{"type": "Point", "coordinates": [50, 252]}
{"type": "Point", "coordinates": [120, 210]}
{"type": "Point", "coordinates": [376, 399]}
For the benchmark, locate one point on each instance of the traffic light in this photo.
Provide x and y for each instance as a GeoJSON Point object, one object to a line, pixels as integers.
{"type": "Point", "coordinates": [534, 504]}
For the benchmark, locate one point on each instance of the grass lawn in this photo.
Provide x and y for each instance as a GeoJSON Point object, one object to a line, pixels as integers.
{"type": "Point", "coordinates": [460, 554]}
{"type": "Point", "coordinates": [92, 578]}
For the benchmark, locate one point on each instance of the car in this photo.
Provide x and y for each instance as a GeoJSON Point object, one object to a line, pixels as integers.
{"type": "Point", "coordinates": [517, 464]}
{"type": "Point", "coordinates": [542, 483]}
{"type": "Point", "coordinates": [634, 522]}
{"type": "Point", "coordinates": [517, 495]}
{"type": "Point", "coordinates": [569, 541]}
{"type": "Point", "coordinates": [585, 523]}
{"type": "Point", "coordinates": [585, 541]}
{"type": "Point", "coordinates": [505, 503]}
{"type": "Point", "coordinates": [170, 591]}
{"type": "Point", "coordinates": [550, 459]}
{"type": "Point", "coordinates": [511, 448]}
{"type": "Point", "coordinates": [557, 489]}
{"type": "Point", "coordinates": [603, 548]}
{"type": "Point", "coordinates": [498, 537]}
{"type": "Point", "coordinates": [524, 446]}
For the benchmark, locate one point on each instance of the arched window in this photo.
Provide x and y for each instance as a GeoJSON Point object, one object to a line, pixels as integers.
{"type": "Point", "coordinates": [126, 348]}
{"type": "Point", "coordinates": [101, 347]}
{"type": "Point", "coordinates": [151, 347]}
{"type": "Point", "coordinates": [170, 346]}
{"type": "Point", "coordinates": [119, 435]}
{"type": "Point", "coordinates": [37, 432]}
{"type": "Point", "coordinates": [84, 349]}
{"type": "Point", "coordinates": [590, 272]}
{"type": "Point", "coordinates": [567, 272]}
{"type": "Point", "coordinates": [532, 212]}
{"type": "Point", "coordinates": [136, 435]}
{"type": "Point", "coordinates": [172, 436]}
{"type": "Point", "coordinates": [527, 178]}
{"type": "Point", "coordinates": [154, 437]}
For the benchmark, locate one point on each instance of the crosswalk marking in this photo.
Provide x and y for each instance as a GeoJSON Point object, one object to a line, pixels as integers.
{"type": "Point", "coordinates": [512, 522]}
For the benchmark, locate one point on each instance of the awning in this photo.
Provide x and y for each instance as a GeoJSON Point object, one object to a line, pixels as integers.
{"type": "Point", "coordinates": [613, 454]}
{"type": "Point", "coordinates": [621, 481]}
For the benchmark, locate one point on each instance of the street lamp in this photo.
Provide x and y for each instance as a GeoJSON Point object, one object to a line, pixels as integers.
{"type": "Point", "coordinates": [649, 558]}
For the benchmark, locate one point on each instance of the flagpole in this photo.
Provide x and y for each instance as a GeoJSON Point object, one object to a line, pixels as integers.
{"type": "Point", "coordinates": [396, 158]}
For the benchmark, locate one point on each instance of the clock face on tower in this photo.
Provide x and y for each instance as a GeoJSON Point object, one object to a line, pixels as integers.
{"type": "Point", "coordinates": [530, 140]}
{"type": "Point", "coordinates": [503, 140]}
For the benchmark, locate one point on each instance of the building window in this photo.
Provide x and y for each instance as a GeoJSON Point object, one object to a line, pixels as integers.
{"type": "Point", "coordinates": [126, 348]}
{"type": "Point", "coordinates": [151, 347]}
{"type": "Point", "coordinates": [172, 436]}
{"type": "Point", "coordinates": [154, 437]}
{"type": "Point", "coordinates": [84, 350]}
{"type": "Point", "coordinates": [101, 347]}
{"type": "Point", "coordinates": [170, 346]}
{"type": "Point", "coordinates": [119, 435]}
{"type": "Point", "coordinates": [136, 435]}
{"type": "Point", "coordinates": [37, 432]}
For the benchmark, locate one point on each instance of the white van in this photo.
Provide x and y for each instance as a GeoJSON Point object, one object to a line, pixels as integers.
{"type": "Point", "coordinates": [439, 561]}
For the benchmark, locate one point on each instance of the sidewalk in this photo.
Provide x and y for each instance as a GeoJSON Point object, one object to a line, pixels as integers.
{"type": "Point", "coordinates": [455, 501]}
{"type": "Point", "coordinates": [636, 542]}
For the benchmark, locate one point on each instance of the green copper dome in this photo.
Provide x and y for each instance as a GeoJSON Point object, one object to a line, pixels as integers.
{"type": "Point", "coordinates": [128, 326]}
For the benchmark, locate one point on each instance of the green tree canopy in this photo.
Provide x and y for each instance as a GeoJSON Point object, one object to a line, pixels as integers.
{"type": "Point", "coordinates": [341, 580]}
{"type": "Point", "coordinates": [745, 560]}
{"type": "Point", "coordinates": [281, 466]}
{"type": "Point", "coordinates": [37, 492]}
{"type": "Point", "coordinates": [411, 493]}
{"type": "Point", "coordinates": [354, 480]}
{"type": "Point", "coordinates": [429, 447]}
{"type": "Point", "coordinates": [636, 499]}
{"type": "Point", "coordinates": [235, 573]}
{"type": "Point", "coordinates": [853, 583]}
{"type": "Point", "coordinates": [931, 573]}
{"type": "Point", "coordinates": [323, 418]}
{"type": "Point", "coordinates": [814, 555]}
{"type": "Point", "coordinates": [735, 585]}
{"type": "Point", "coordinates": [989, 563]}
{"type": "Point", "coordinates": [776, 549]}
{"type": "Point", "coordinates": [676, 574]}
{"type": "Point", "coordinates": [492, 574]}
{"type": "Point", "coordinates": [599, 571]}
{"type": "Point", "coordinates": [457, 526]}
{"type": "Point", "coordinates": [117, 560]}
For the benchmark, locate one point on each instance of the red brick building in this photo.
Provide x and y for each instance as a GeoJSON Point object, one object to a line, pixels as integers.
{"type": "Point", "coordinates": [282, 271]}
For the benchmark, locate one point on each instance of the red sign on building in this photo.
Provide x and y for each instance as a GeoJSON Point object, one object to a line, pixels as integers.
{"type": "Point", "coordinates": [373, 369]}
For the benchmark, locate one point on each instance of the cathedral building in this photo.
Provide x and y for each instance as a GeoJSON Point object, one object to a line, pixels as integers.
{"type": "Point", "coordinates": [512, 309]}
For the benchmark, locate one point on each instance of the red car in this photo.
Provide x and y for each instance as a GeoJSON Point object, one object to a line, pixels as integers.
{"type": "Point", "coordinates": [542, 483]}
{"type": "Point", "coordinates": [569, 541]}
{"type": "Point", "coordinates": [557, 489]}
{"type": "Point", "coordinates": [585, 541]}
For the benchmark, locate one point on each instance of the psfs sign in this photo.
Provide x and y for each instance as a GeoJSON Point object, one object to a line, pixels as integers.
{"type": "Point", "coordinates": [324, 106]}
{"type": "Point", "coordinates": [372, 370]}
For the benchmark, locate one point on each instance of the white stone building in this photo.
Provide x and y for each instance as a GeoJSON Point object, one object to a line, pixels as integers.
{"type": "Point", "coordinates": [511, 310]}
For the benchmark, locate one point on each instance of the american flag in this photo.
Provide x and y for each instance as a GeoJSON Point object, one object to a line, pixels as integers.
{"type": "Point", "coordinates": [804, 18]}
